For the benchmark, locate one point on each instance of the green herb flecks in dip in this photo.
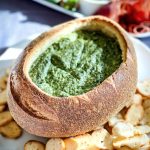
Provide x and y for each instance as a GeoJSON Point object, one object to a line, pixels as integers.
{"type": "Point", "coordinates": [76, 63]}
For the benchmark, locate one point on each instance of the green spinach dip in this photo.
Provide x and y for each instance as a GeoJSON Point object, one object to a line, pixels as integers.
{"type": "Point", "coordinates": [76, 63]}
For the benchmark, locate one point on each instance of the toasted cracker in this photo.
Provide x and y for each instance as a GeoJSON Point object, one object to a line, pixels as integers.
{"type": "Point", "coordinates": [7, 72]}
{"type": "Point", "coordinates": [124, 148]}
{"type": "Point", "coordinates": [5, 117]}
{"type": "Point", "coordinates": [137, 99]}
{"type": "Point", "coordinates": [115, 119]}
{"type": "Point", "coordinates": [102, 139]}
{"type": "Point", "coordinates": [34, 145]}
{"type": "Point", "coordinates": [79, 142]}
{"type": "Point", "coordinates": [146, 103]}
{"type": "Point", "coordinates": [134, 114]}
{"type": "Point", "coordinates": [123, 129]}
{"type": "Point", "coordinates": [142, 129]}
{"type": "Point", "coordinates": [11, 130]}
{"type": "Point", "coordinates": [55, 144]}
{"type": "Point", "coordinates": [2, 107]}
{"type": "Point", "coordinates": [3, 97]}
{"type": "Point", "coordinates": [144, 88]}
{"type": "Point", "coordinates": [146, 117]}
{"type": "Point", "coordinates": [145, 147]}
{"type": "Point", "coordinates": [134, 142]}
{"type": "Point", "coordinates": [3, 82]}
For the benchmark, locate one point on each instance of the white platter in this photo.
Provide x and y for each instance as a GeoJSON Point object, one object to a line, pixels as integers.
{"type": "Point", "coordinates": [141, 35]}
{"type": "Point", "coordinates": [78, 14]}
{"type": "Point", "coordinates": [59, 8]}
{"type": "Point", "coordinates": [7, 59]}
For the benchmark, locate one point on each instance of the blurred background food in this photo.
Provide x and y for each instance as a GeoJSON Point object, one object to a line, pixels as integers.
{"type": "Point", "coordinates": [20, 19]}
{"type": "Point", "coordinates": [89, 7]}
{"type": "Point", "coordinates": [67, 4]}
{"type": "Point", "coordinates": [132, 15]}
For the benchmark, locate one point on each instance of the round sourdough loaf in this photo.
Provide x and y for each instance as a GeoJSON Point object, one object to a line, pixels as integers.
{"type": "Point", "coordinates": [50, 116]}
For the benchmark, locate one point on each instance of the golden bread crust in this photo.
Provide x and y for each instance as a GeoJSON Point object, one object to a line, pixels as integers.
{"type": "Point", "coordinates": [50, 116]}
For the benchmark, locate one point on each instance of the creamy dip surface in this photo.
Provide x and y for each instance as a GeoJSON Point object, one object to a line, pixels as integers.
{"type": "Point", "coordinates": [76, 63]}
